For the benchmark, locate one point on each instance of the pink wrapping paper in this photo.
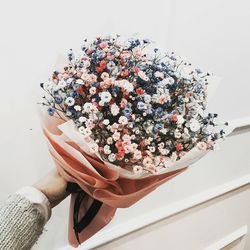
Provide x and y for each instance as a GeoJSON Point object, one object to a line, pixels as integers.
{"type": "Point", "coordinates": [104, 184]}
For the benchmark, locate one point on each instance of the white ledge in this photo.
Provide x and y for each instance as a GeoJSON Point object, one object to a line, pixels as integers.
{"type": "Point", "coordinates": [228, 239]}
{"type": "Point", "coordinates": [134, 224]}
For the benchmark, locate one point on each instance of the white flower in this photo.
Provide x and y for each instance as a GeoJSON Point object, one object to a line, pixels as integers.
{"type": "Point", "coordinates": [85, 77]}
{"type": "Point", "coordinates": [92, 90]}
{"type": "Point", "coordinates": [147, 98]}
{"type": "Point", "coordinates": [137, 154]}
{"type": "Point", "coordinates": [123, 120]}
{"type": "Point", "coordinates": [115, 109]}
{"type": "Point", "coordinates": [137, 169]}
{"type": "Point", "coordinates": [77, 108]}
{"type": "Point", "coordinates": [194, 125]}
{"type": "Point", "coordinates": [116, 136]}
{"type": "Point", "coordinates": [105, 96]}
{"type": "Point", "coordinates": [177, 134]}
{"type": "Point", "coordinates": [127, 85]}
{"type": "Point", "coordinates": [82, 119]}
{"type": "Point", "coordinates": [87, 107]}
{"type": "Point", "coordinates": [111, 157]}
{"type": "Point", "coordinates": [105, 122]}
{"type": "Point", "coordinates": [80, 81]}
{"type": "Point", "coordinates": [180, 119]}
{"type": "Point", "coordinates": [48, 86]}
{"type": "Point", "coordinates": [70, 101]}
{"type": "Point", "coordinates": [106, 149]}
{"type": "Point", "coordinates": [62, 84]}
{"type": "Point", "coordinates": [159, 74]}
{"type": "Point", "coordinates": [85, 131]}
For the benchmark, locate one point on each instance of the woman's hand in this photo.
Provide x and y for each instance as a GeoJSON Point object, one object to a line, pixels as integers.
{"type": "Point", "coordinates": [53, 186]}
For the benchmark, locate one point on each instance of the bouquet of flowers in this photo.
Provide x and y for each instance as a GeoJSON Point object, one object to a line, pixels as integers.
{"type": "Point", "coordinates": [123, 119]}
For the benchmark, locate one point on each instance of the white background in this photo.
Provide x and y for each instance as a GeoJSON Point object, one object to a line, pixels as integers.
{"type": "Point", "coordinates": [213, 34]}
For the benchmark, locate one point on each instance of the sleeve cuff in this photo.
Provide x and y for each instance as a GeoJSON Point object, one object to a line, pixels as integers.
{"type": "Point", "coordinates": [38, 199]}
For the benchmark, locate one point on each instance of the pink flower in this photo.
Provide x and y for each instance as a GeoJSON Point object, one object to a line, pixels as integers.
{"type": "Point", "coordinates": [114, 127]}
{"type": "Point", "coordinates": [123, 103]}
{"type": "Point", "coordinates": [147, 162]}
{"type": "Point", "coordinates": [137, 52]}
{"type": "Point", "coordinates": [114, 109]}
{"type": "Point", "coordinates": [116, 136]}
{"type": "Point", "coordinates": [104, 75]}
{"type": "Point", "coordinates": [92, 78]}
{"type": "Point", "coordinates": [126, 138]}
{"type": "Point", "coordinates": [142, 75]}
{"type": "Point", "coordinates": [86, 64]}
{"type": "Point", "coordinates": [109, 140]}
{"type": "Point", "coordinates": [89, 124]}
{"type": "Point", "coordinates": [202, 145]}
{"type": "Point", "coordinates": [162, 99]}
{"type": "Point", "coordinates": [103, 45]}
{"type": "Point", "coordinates": [137, 154]}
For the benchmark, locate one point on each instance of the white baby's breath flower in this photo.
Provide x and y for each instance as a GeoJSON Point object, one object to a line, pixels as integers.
{"type": "Point", "coordinates": [147, 98]}
{"type": "Point", "coordinates": [80, 81]}
{"type": "Point", "coordinates": [123, 120]}
{"type": "Point", "coordinates": [177, 134]}
{"type": "Point", "coordinates": [105, 122]}
{"type": "Point", "coordinates": [105, 96]}
{"type": "Point", "coordinates": [137, 169]}
{"type": "Point", "coordinates": [106, 149]}
{"type": "Point", "coordinates": [82, 119]}
{"type": "Point", "coordinates": [77, 108]}
{"type": "Point", "coordinates": [180, 119]}
{"type": "Point", "coordinates": [194, 125]}
{"type": "Point", "coordinates": [111, 157]}
{"type": "Point", "coordinates": [87, 107]}
{"type": "Point", "coordinates": [127, 85]}
{"type": "Point", "coordinates": [62, 84]}
{"type": "Point", "coordinates": [70, 101]}
{"type": "Point", "coordinates": [85, 131]}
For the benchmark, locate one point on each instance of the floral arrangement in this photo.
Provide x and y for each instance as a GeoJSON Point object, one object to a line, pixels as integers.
{"type": "Point", "coordinates": [118, 113]}
{"type": "Point", "coordinates": [137, 110]}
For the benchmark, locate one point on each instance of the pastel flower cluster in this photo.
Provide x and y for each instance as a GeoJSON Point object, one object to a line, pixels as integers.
{"type": "Point", "coordinates": [138, 110]}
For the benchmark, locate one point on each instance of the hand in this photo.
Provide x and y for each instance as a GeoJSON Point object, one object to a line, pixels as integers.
{"type": "Point", "coordinates": [53, 186]}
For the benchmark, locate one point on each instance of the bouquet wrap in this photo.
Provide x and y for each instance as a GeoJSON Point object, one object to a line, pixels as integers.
{"type": "Point", "coordinates": [97, 180]}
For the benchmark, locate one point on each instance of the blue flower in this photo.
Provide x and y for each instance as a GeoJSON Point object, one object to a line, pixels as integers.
{"type": "Point", "coordinates": [141, 105]}
{"type": "Point", "coordinates": [51, 111]}
{"type": "Point", "coordinates": [127, 112]}
{"type": "Point", "coordinates": [73, 94]}
{"type": "Point", "coordinates": [158, 127]}
{"type": "Point", "coordinates": [58, 99]}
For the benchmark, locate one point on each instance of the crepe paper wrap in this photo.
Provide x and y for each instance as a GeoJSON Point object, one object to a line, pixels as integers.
{"type": "Point", "coordinates": [96, 179]}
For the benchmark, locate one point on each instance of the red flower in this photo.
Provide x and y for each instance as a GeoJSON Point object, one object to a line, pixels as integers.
{"type": "Point", "coordinates": [136, 70]}
{"type": "Point", "coordinates": [103, 64]}
{"type": "Point", "coordinates": [174, 118]}
{"type": "Point", "coordinates": [118, 144]}
{"type": "Point", "coordinates": [179, 147]}
{"type": "Point", "coordinates": [139, 91]}
{"type": "Point", "coordinates": [79, 90]}
{"type": "Point", "coordinates": [98, 69]}
{"type": "Point", "coordinates": [125, 73]}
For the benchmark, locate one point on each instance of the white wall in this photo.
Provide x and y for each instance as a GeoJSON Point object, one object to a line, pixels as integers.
{"type": "Point", "coordinates": [213, 34]}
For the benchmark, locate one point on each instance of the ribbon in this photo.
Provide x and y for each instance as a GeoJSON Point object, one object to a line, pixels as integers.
{"type": "Point", "coordinates": [80, 225]}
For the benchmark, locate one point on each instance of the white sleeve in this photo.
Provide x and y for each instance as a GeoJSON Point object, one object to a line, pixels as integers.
{"type": "Point", "coordinates": [39, 199]}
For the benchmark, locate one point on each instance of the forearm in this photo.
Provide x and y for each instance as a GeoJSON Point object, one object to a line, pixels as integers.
{"type": "Point", "coordinates": [22, 219]}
